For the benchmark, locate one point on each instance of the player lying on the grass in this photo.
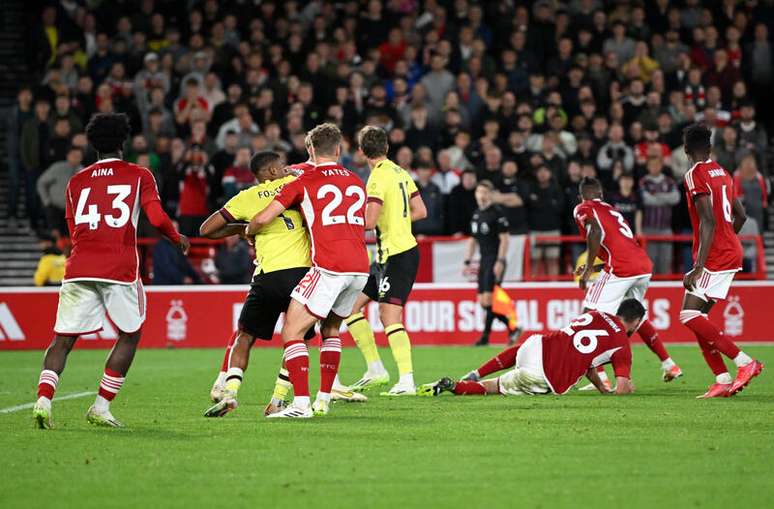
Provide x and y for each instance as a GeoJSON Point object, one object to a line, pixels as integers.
{"type": "Point", "coordinates": [102, 274]}
{"type": "Point", "coordinates": [627, 269]}
{"type": "Point", "coordinates": [393, 203]}
{"type": "Point", "coordinates": [555, 362]}
{"type": "Point", "coordinates": [332, 201]}
{"type": "Point", "coordinates": [717, 216]}
{"type": "Point", "coordinates": [281, 259]}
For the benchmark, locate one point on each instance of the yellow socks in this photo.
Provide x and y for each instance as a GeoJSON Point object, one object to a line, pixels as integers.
{"type": "Point", "coordinates": [281, 386]}
{"type": "Point", "coordinates": [234, 379]}
{"type": "Point", "coordinates": [364, 338]}
{"type": "Point", "coordinates": [401, 347]}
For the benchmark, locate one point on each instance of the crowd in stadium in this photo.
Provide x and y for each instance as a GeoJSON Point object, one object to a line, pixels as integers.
{"type": "Point", "coordinates": [529, 95]}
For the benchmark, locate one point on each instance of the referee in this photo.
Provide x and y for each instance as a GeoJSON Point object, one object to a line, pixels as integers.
{"type": "Point", "coordinates": [489, 229]}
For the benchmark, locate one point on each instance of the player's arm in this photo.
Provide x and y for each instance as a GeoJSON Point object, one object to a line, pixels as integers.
{"type": "Point", "coordinates": [593, 377]}
{"type": "Point", "coordinates": [470, 248]}
{"type": "Point", "coordinates": [151, 204]}
{"type": "Point", "coordinates": [703, 204]}
{"type": "Point", "coordinates": [264, 217]}
{"type": "Point", "coordinates": [622, 367]}
{"type": "Point", "coordinates": [623, 385]}
{"type": "Point", "coordinates": [417, 206]}
{"type": "Point", "coordinates": [373, 210]}
{"type": "Point", "coordinates": [217, 227]}
{"type": "Point", "coordinates": [740, 216]}
{"type": "Point", "coordinates": [593, 242]}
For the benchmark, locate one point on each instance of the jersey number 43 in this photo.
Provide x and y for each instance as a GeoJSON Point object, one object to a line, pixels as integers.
{"type": "Point", "coordinates": [89, 214]}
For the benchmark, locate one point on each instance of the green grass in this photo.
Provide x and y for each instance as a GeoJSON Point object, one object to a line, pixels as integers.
{"type": "Point", "coordinates": [657, 448]}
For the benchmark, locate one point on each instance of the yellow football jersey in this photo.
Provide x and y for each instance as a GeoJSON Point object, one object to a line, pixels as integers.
{"type": "Point", "coordinates": [283, 243]}
{"type": "Point", "coordinates": [393, 187]}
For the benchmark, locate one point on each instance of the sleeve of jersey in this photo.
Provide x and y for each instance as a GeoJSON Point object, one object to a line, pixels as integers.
{"type": "Point", "coordinates": [69, 212]}
{"type": "Point", "coordinates": [375, 188]}
{"type": "Point", "coordinates": [412, 188]}
{"type": "Point", "coordinates": [696, 183]}
{"type": "Point", "coordinates": [292, 193]}
{"type": "Point", "coordinates": [622, 361]}
{"type": "Point", "coordinates": [161, 220]}
{"type": "Point", "coordinates": [502, 224]}
{"type": "Point", "coordinates": [582, 213]}
{"type": "Point", "coordinates": [233, 211]}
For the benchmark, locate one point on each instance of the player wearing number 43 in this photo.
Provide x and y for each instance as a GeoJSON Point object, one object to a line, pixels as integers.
{"type": "Point", "coordinates": [716, 216]}
{"type": "Point", "coordinates": [102, 274]}
{"type": "Point", "coordinates": [627, 268]}
{"type": "Point", "coordinates": [332, 201]}
{"type": "Point", "coordinates": [393, 204]}
{"type": "Point", "coordinates": [554, 362]}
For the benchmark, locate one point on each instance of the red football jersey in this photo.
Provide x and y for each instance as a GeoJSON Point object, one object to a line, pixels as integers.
{"type": "Point", "coordinates": [622, 254]}
{"type": "Point", "coordinates": [591, 339]}
{"type": "Point", "coordinates": [103, 206]}
{"type": "Point", "coordinates": [332, 200]}
{"type": "Point", "coordinates": [708, 177]}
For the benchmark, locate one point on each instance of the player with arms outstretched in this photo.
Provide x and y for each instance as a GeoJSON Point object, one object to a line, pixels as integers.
{"type": "Point", "coordinates": [716, 216]}
{"type": "Point", "coordinates": [553, 363]}
{"type": "Point", "coordinates": [102, 274]}
{"type": "Point", "coordinates": [627, 270]}
{"type": "Point", "coordinates": [332, 201]}
{"type": "Point", "coordinates": [393, 204]}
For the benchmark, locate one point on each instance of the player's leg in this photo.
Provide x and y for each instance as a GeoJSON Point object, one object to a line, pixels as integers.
{"type": "Point", "coordinates": [236, 366]}
{"type": "Point", "coordinates": [503, 360]}
{"type": "Point", "coordinates": [649, 336]}
{"type": "Point", "coordinates": [485, 301]}
{"type": "Point", "coordinates": [216, 392]}
{"type": "Point", "coordinates": [376, 375]}
{"type": "Point", "coordinates": [125, 304]}
{"type": "Point", "coordinates": [605, 294]}
{"type": "Point", "coordinates": [391, 316]}
{"type": "Point", "coordinates": [79, 311]}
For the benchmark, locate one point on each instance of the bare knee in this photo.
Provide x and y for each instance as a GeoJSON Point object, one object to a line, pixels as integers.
{"type": "Point", "coordinates": [390, 314]}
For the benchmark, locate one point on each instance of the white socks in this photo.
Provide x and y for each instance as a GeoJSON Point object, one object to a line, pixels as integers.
{"type": "Point", "coordinates": [406, 379]}
{"type": "Point", "coordinates": [324, 396]}
{"type": "Point", "coordinates": [101, 404]}
{"type": "Point", "coordinates": [723, 378]}
{"type": "Point", "coordinates": [742, 359]}
{"type": "Point", "coordinates": [667, 363]}
{"type": "Point", "coordinates": [376, 368]}
{"type": "Point", "coordinates": [301, 401]}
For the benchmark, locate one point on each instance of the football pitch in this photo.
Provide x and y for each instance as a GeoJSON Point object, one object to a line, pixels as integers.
{"type": "Point", "coordinates": [657, 448]}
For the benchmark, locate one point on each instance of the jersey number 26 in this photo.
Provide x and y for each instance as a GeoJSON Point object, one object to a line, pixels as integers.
{"type": "Point", "coordinates": [584, 340]}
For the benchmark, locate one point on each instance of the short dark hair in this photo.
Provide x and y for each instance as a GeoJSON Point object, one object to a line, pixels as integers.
{"type": "Point", "coordinates": [486, 183]}
{"type": "Point", "coordinates": [325, 139]}
{"type": "Point", "coordinates": [631, 310]}
{"type": "Point", "coordinates": [262, 160]}
{"type": "Point", "coordinates": [373, 141]}
{"type": "Point", "coordinates": [589, 183]}
{"type": "Point", "coordinates": [697, 138]}
{"type": "Point", "coordinates": [107, 132]}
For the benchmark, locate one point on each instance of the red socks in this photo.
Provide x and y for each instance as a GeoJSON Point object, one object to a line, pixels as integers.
{"type": "Point", "coordinates": [110, 384]}
{"type": "Point", "coordinates": [503, 360]}
{"type": "Point", "coordinates": [466, 387]}
{"type": "Point", "coordinates": [47, 383]}
{"type": "Point", "coordinates": [227, 356]}
{"type": "Point", "coordinates": [297, 364]}
{"type": "Point", "coordinates": [650, 337]}
{"type": "Point", "coordinates": [330, 355]}
{"type": "Point", "coordinates": [711, 340]}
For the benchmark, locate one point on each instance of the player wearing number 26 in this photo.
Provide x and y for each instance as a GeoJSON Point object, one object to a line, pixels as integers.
{"type": "Point", "coordinates": [332, 200]}
{"type": "Point", "coordinates": [102, 275]}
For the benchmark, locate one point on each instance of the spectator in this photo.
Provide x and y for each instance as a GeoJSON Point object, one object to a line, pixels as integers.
{"type": "Point", "coordinates": [431, 195]}
{"type": "Point", "coordinates": [659, 194]}
{"type": "Point", "coordinates": [619, 44]}
{"type": "Point", "coordinates": [510, 194]}
{"type": "Point", "coordinates": [52, 187]}
{"type": "Point", "coordinates": [234, 262]}
{"type": "Point", "coordinates": [35, 155]}
{"type": "Point", "coordinates": [614, 150]}
{"type": "Point", "coordinates": [545, 206]}
{"type": "Point", "coordinates": [238, 176]}
{"type": "Point", "coordinates": [191, 106]}
{"type": "Point", "coordinates": [727, 152]}
{"type": "Point", "coordinates": [753, 189]}
{"type": "Point", "coordinates": [751, 135]}
{"type": "Point", "coordinates": [170, 265]}
{"type": "Point", "coordinates": [18, 115]}
{"type": "Point", "coordinates": [242, 124]}
{"type": "Point", "coordinates": [437, 82]}
{"type": "Point", "coordinates": [628, 203]}
{"type": "Point", "coordinates": [445, 177]}
{"type": "Point", "coordinates": [195, 174]}
{"type": "Point", "coordinates": [462, 204]}
{"type": "Point", "coordinates": [51, 266]}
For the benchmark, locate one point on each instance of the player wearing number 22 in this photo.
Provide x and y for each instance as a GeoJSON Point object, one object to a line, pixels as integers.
{"type": "Point", "coordinates": [627, 268]}
{"type": "Point", "coordinates": [102, 275]}
{"type": "Point", "coordinates": [717, 216]}
{"type": "Point", "coordinates": [554, 362]}
{"type": "Point", "coordinates": [332, 200]}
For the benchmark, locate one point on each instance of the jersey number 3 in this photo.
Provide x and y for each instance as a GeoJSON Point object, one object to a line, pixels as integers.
{"type": "Point", "coordinates": [328, 216]}
{"type": "Point", "coordinates": [90, 214]}
{"type": "Point", "coordinates": [584, 340]}
{"type": "Point", "coordinates": [624, 228]}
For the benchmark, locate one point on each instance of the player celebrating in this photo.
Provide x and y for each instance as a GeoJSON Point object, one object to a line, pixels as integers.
{"type": "Point", "coordinates": [102, 274]}
{"type": "Point", "coordinates": [627, 270]}
{"type": "Point", "coordinates": [332, 201]}
{"type": "Point", "coordinates": [555, 362]}
{"type": "Point", "coordinates": [393, 204]}
{"type": "Point", "coordinates": [717, 216]}
{"type": "Point", "coordinates": [489, 227]}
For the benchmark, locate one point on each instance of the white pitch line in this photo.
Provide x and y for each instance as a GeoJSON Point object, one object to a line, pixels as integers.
{"type": "Point", "coordinates": [73, 395]}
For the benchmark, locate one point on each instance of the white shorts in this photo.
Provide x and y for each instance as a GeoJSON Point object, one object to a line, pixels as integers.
{"type": "Point", "coordinates": [527, 375]}
{"type": "Point", "coordinates": [713, 285]}
{"type": "Point", "coordinates": [83, 306]}
{"type": "Point", "coordinates": [323, 292]}
{"type": "Point", "coordinates": [608, 291]}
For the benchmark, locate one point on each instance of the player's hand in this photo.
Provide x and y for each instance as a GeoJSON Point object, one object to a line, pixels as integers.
{"type": "Point", "coordinates": [498, 269]}
{"type": "Point", "coordinates": [624, 385]}
{"type": "Point", "coordinates": [689, 281]}
{"type": "Point", "coordinates": [184, 244]}
{"type": "Point", "coordinates": [585, 276]}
